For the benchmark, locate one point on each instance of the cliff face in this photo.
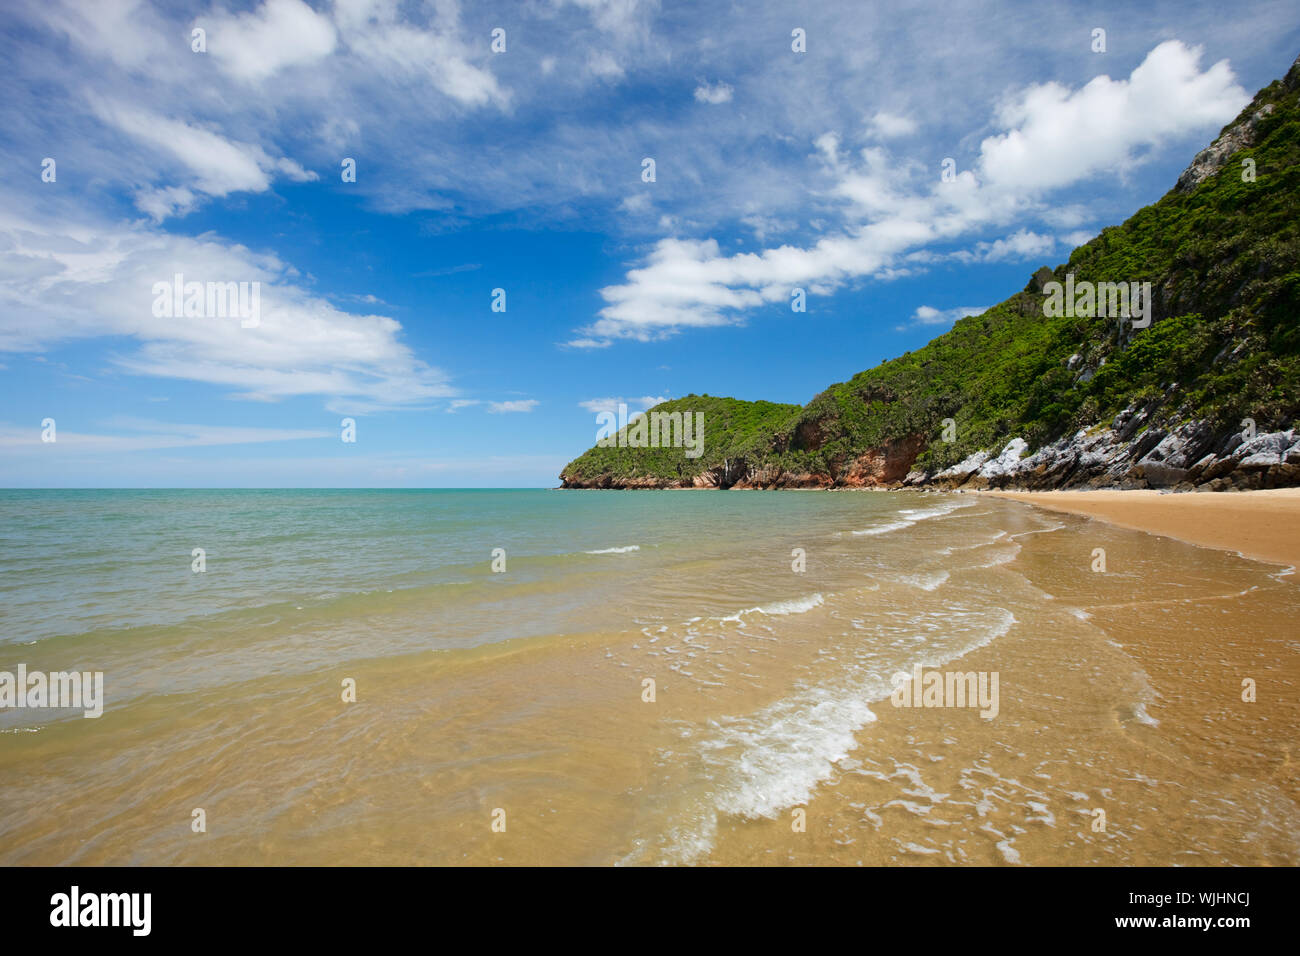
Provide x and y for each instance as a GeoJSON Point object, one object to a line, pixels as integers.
{"type": "Point", "coordinates": [1204, 396]}
{"type": "Point", "coordinates": [1189, 458]}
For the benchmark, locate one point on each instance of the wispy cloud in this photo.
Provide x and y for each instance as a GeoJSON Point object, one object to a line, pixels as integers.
{"type": "Point", "coordinates": [891, 126]}
{"type": "Point", "coordinates": [928, 315]}
{"type": "Point", "coordinates": [127, 435]}
{"type": "Point", "coordinates": [520, 405]}
{"type": "Point", "coordinates": [714, 93]}
{"type": "Point", "coordinates": [597, 405]}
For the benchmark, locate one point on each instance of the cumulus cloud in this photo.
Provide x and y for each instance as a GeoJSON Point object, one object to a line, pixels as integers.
{"type": "Point", "coordinates": [1056, 136]}
{"type": "Point", "coordinates": [78, 280]}
{"type": "Point", "coordinates": [279, 34]}
{"type": "Point", "coordinates": [1059, 137]}
{"type": "Point", "coordinates": [1024, 244]}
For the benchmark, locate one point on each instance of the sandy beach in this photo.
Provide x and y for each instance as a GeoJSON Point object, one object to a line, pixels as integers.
{"type": "Point", "coordinates": [652, 679]}
{"type": "Point", "coordinates": [1264, 525]}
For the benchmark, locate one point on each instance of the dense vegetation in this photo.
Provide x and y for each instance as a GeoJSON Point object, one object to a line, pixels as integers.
{"type": "Point", "coordinates": [732, 429]}
{"type": "Point", "coordinates": [1223, 260]}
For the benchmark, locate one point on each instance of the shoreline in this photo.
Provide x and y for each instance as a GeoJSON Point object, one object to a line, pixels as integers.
{"type": "Point", "coordinates": [1261, 525]}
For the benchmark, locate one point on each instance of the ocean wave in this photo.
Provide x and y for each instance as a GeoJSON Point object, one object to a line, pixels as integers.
{"type": "Point", "coordinates": [911, 516]}
{"type": "Point", "coordinates": [624, 550]}
{"type": "Point", "coordinates": [971, 547]}
{"type": "Point", "coordinates": [776, 758]}
{"type": "Point", "coordinates": [886, 528]}
{"type": "Point", "coordinates": [780, 608]}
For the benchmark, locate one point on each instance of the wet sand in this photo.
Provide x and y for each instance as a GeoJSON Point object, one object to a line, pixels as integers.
{"type": "Point", "coordinates": [1264, 525]}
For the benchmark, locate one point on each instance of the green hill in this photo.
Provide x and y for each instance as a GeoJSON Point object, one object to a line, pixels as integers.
{"type": "Point", "coordinates": [1222, 255]}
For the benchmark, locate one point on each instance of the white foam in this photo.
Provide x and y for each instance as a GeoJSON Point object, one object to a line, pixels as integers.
{"type": "Point", "coordinates": [1009, 852]}
{"type": "Point", "coordinates": [926, 581]}
{"type": "Point", "coordinates": [999, 558]}
{"type": "Point", "coordinates": [777, 757]}
{"type": "Point", "coordinates": [886, 528]}
{"type": "Point", "coordinates": [780, 608]}
{"type": "Point", "coordinates": [630, 547]}
{"type": "Point", "coordinates": [1140, 713]}
{"type": "Point", "coordinates": [913, 516]}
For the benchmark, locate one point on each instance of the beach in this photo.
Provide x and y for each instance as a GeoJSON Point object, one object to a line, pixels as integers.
{"type": "Point", "coordinates": [1258, 524]}
{"type": "Point", "coordinates": [650, 679]}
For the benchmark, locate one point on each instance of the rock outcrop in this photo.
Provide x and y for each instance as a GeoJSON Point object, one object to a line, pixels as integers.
{"type": "Point", "coordinates": [1191, 457]}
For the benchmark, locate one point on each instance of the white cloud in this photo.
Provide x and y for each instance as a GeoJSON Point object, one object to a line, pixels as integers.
{"type": "Point", "coordinates": [597, 405]}
{"type": "Point", "coordinates": [442, 121]}
{"type": "Point", "coordinates": [376, 33]}
{"type": "Point", "coordinates": [891, 126]}
{"type": "Point", "coordinates": [687, 283]}
{"type": "Point", "coordinates": [604, 65]}
{"type": "Point", "coordinates": [1066, 216]}
{"type": "Point", "coordinates": [1056, 136]}
{"type": "Point", "coordinates": [146, 435]}
{"type": "Point", "coordinates": [522, 405]}
{"type": "Point", "coordinates": [281, 33]}
{"type": "Point", "coordinates": [217, 166]}
{"type": "Point", "coordinates": [1073, 240]}
{"type": "Point", "coordinates": [1021, 245]}
{"type": "Point", "coordinates": [637, 202]}
{"type": "Point", "coordinates": [930, 316]}
{"type": "Point", "coordinates": [716, 94]}
{"type": "Point", "coordinates": [79, 280]}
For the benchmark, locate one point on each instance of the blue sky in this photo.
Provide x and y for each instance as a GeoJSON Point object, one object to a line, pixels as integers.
{"type": "Point", "coordinates": [522, 170]}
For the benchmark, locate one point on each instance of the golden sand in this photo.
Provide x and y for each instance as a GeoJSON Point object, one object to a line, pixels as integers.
{"type": "Point", "coordinates": [1259, 524]}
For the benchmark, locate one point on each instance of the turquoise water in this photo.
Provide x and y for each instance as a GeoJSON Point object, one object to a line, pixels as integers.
{"type": "Point", "coordinates": [74, 561]}
{"type": "Point", "coordinates": [301, 579]}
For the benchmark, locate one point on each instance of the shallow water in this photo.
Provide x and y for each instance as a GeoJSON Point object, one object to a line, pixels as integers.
{"type": "Point", "coordinates": [518, 696]}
